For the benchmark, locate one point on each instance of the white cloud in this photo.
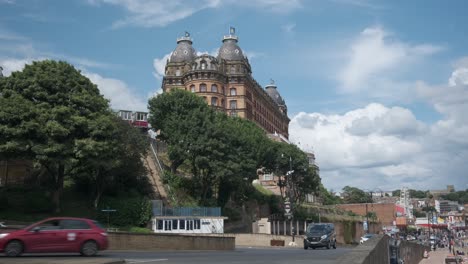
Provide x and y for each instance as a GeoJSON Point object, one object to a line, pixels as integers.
{"type": "Point", "coordinates": [374, 57]}
{"type": "Point", "coordinates": [387, 147]}
{"type": "Point", "coordinates": [120, 95]}
{"type": "Point", "coordinates": [10, 65]}
{"type": "Point", "coordinates": [156, 13]}
{"type": "Point", "coordinates": [276, 6]}
{"type": "Point", "coordinates": [159, 13]}
{"type": "Point", "coordinates": [159, 66]}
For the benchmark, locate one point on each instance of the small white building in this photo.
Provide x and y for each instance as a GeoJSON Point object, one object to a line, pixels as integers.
{"type": "Point", "coordinates": [184, 220]}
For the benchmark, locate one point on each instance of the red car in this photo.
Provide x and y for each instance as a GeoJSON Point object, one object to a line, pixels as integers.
{"type": "Point", "coordinates": [60, 234]}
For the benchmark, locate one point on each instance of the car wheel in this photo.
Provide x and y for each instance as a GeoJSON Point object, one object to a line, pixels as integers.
{"type": "Point", "coordinates": [329, 244]}
{"type": "Point", "coordinates": [14, 248]}
{"type": "Point", "coordinates": [334, 245]}
{"type": "Point", "coordinates": [89, 248]}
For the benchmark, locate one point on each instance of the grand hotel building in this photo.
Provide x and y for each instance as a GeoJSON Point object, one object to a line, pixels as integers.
{"type": "Point", "coordinates": [226, 83]}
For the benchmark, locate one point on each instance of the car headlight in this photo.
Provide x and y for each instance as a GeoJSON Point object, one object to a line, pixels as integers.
{"type": "Point", "coordinates": [3, 235]}
{"type": "Point", "coordinates": [323, 237]}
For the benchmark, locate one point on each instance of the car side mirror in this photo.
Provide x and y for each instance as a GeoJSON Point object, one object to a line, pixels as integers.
{"type": "Point", "coordinates": [36, 229]}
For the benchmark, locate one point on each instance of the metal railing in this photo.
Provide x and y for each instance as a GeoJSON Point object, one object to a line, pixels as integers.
{"type": "Point", "coordinates": [191, 211]}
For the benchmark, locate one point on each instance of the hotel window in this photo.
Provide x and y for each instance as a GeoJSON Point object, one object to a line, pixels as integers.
{"type": "Point", "coordinates": [214, 88]}
{"type": "Point", "coordinates": [202, 87]}
{"type": "Point", "coordinates": [233, 91]}
{"type": "Point", "coordinates": [174, 223]}
{"type": "Point", "coordinates": [192, 88]}
{"type": "Point", "coordinates": [214, 101]}
{"type": "Point", "coordinates": [182, 224]}
{"type": "Point", "coordinates": [233, 104]}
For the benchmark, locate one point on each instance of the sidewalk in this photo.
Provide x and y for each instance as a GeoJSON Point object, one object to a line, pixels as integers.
{"type": "Point", "coordinates": [437, 257]}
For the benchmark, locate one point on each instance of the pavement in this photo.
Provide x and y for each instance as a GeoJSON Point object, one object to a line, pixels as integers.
{"type": "Point", "coordinates": [438, 257]}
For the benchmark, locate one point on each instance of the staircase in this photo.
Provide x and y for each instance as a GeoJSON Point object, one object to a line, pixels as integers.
{"type": "Point", "coordinates": [155, 173]}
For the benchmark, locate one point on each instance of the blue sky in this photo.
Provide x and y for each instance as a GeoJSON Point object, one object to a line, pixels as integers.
{"type": "Point", "coordinates": [377, 89]}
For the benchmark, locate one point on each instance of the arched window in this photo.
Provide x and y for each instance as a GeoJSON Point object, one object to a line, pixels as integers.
{"type": "Point", "coordinates": [203, 65]}
{"type": "Point", "coordinates": [214, 101]}
{"type": "Point", "coordinates": [233, 104]}
{"type": "Point", "coordinates": [202, 87]}
{"type": "Point", "coordinates": [214, 88]}
{"type": "Point", "coordinates": [233, 91]}
{"type": "Point", "coordinates": [192, 88]}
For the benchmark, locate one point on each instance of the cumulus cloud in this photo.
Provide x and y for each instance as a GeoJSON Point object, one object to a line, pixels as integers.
{"type": "Point", "coordinates": [374, 55]}
{"type": "Point", "coordinates": [121, 96]}
{"type": "Point", "coordinates": [10, 65]}
{"type": "Point", "coordinates": [388, 147]}
{"type": "Point", "coordinates": [159, 65]}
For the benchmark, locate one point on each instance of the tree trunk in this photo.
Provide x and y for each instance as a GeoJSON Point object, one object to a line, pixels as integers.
{"type": "Point", "coordinates": [97, 198]}
{"type": "Point", "coordinates": [58, 187]}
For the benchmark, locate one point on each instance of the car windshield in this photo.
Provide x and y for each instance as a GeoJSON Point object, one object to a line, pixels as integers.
{"type": "Point", "coordinates": [316, 228]}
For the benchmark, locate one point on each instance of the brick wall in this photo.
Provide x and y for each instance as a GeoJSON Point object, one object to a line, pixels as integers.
{"type": "Point", "coordinates": [385, 212]}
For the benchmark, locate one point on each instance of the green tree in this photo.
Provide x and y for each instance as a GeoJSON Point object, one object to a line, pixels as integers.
{"type": "Point", "coordinates": [328, 198]}
{"type": "Point", "coordinates": [355, 195]}
{"type": "Point", "coordinates": [111, 158]}
{"type": "Point", "coordinates": [46, 109]}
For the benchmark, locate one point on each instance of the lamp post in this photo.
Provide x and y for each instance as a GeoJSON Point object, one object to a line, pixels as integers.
{"type": "Point", "coordinates": [289, 205]}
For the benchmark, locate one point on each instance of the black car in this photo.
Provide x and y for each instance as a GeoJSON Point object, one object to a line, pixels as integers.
{"type": "Point", "coordinates": [320, 235]}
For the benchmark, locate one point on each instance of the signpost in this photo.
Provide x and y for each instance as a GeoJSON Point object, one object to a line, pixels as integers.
{"type": "Point", "coordinates": [108, 211]}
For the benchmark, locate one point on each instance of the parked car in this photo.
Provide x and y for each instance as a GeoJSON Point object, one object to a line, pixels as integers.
{"type": "Point", "coordinates": [320, 235]}
{"type": "Point", "coordinates": [53, 235]}
{"type": "Point", "coordinates": [366, 237]}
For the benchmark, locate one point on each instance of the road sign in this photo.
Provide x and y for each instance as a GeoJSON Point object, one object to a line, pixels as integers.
{"type": "Point", "coordinates": [287, 207]}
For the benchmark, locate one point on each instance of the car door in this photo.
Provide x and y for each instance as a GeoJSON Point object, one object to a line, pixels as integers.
{"type": "Point", "coordinates": [75, 231]}
{"type": "Point", "coordinates": [44, 237]}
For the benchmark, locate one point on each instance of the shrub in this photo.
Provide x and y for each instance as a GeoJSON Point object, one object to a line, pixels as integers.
{"type": "Point", "coordinates": [130, 211]}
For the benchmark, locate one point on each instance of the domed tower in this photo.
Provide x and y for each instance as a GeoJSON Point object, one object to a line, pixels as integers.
{"type": "Point", "coordinates": [179, 63]}
{"type": "Point", "coordinates": [184, 52]}
{"type": "Point", "coordinates": [271, 90]}
{"type": "Point", "coordinates": [231, 53]}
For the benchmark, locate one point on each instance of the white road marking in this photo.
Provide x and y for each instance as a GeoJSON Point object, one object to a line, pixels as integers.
{"type": "Point", "coordinates": [134, 261]}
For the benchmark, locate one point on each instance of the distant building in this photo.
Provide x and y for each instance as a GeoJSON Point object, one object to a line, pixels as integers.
{"type": "Point", "coordinates": [449, 189]}
{"type": "Point", "coordinates": [447, 206]}
{"type": "Point", "coordinates": [135, 118]}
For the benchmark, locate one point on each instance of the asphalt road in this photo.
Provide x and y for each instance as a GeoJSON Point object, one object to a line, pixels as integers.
{"type": "Point", "coordinates": [240, 255]}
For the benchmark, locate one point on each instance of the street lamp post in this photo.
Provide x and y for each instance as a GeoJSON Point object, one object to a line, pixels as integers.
{"type": "Point", "coordinates": [289, 196]}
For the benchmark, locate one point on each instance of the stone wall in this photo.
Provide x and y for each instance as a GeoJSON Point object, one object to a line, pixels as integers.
{"type": "Point", "coordinates": [134, 241]}
{"type": "Point", "coordinates": [376, 250]}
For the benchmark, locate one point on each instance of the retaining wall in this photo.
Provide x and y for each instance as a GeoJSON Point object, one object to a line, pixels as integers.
{"type": "Point", "coordinates": [135, 241]}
